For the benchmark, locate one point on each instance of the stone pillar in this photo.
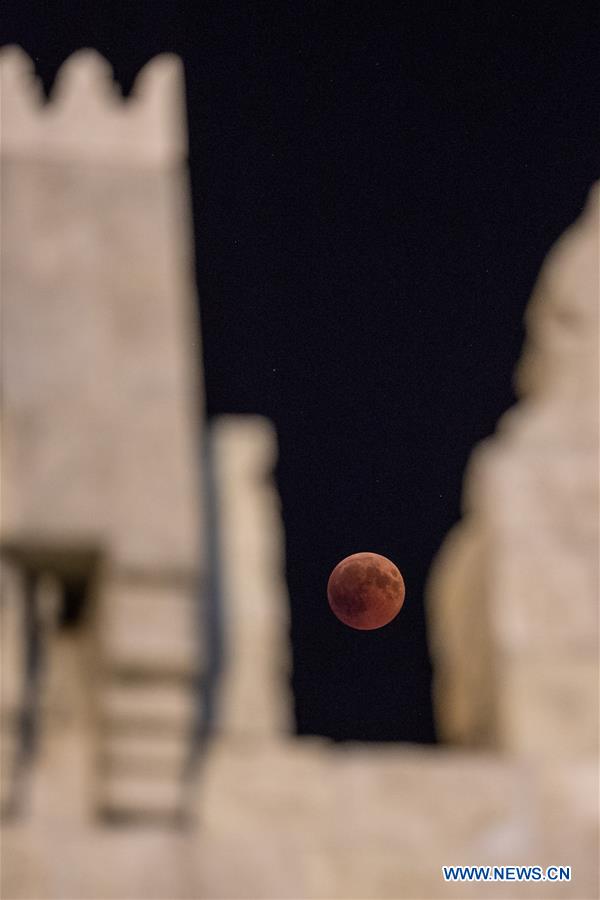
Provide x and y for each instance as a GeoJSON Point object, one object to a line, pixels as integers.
{"type": "Point", "coordinates": [255, 701]}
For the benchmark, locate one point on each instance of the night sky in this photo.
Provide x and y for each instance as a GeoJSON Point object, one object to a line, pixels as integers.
{"type": "Point", "coordinates": [375, 187]}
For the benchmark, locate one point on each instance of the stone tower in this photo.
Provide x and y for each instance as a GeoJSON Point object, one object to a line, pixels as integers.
{"type": "Point", "coordinates": [101, 407]}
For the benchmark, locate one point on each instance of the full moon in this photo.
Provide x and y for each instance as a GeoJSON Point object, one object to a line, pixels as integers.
{"type": "Point", "coordinates": [365, 591]}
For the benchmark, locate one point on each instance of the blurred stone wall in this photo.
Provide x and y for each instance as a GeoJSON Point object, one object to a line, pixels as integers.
{"type": "Point", "coordinates": [100, 370]}
{"type": "Point", "coordinates": [101, 394]}
{"type": "Point", "coordinates": [514, 592]}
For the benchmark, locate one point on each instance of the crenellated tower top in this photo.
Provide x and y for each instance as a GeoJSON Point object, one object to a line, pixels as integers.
{"type": "Point", "coordinates": [87, 119]}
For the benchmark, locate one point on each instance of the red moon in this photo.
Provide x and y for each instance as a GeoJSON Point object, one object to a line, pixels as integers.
{"type": "Point", "coordinates": [365, 591]}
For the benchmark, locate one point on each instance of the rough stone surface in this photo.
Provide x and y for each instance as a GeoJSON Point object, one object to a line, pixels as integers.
{"type": "Point", "coordinates": [517, 580]}
{"type": "Point", "coordinates": [100, 391]}
{"type": "Point", "coordinates": [255, 695]}
{"type": "Point", "coordinates": [101, 399]}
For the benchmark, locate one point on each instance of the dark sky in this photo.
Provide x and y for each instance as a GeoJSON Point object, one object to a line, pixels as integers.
{"type": "Point", "coordinates": [375, 187]}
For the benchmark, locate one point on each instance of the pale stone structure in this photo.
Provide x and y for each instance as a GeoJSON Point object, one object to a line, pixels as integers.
{"type": "Point", "coordinates": [517, 581]}
{"type": "Point", "coordinates": [276, 816]}
{"type": "Point", "coordinates": [255, 699]}
{"type": "Point", "coordinates": [101, 394]}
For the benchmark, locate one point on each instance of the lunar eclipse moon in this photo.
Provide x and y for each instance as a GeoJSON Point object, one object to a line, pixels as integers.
{"type": "Point", "coordinates": [365, 591]}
